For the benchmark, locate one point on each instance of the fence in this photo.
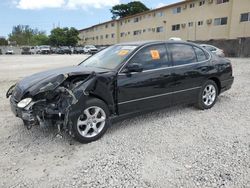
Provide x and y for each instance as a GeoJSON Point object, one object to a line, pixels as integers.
{"type": "Point", "coordinates": [233, 47]}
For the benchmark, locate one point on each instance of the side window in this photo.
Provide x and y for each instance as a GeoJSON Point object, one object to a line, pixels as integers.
{"type": "Point", "coordinates": [201, 56]}
{"type": "Point", "coordinates": [152, 57]}
{"type": "Point", "coordinates": [182, 54]}
{"type": "Point", "coordinates": [210, 48]}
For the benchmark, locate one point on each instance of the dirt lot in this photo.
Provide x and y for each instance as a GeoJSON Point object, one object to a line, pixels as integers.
{"type": "Point", "coordinates": [176, 147]}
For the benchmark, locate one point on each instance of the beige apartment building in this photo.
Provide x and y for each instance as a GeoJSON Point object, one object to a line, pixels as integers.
{"type": "Point", "coordinates": [189, 20]}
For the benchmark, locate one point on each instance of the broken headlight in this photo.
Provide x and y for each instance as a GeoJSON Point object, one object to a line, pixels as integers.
{"type": "Point", "coordinates": [23, 103]}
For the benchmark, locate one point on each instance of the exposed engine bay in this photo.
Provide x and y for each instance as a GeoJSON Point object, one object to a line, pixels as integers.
{"type": "Point", "coordinates": [58, 100]}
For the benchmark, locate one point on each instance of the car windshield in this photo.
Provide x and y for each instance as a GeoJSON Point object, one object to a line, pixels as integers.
{"type": "Point", "coordinates": [109, 58]}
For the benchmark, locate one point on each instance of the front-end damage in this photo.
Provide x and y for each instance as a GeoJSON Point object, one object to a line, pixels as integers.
{"type": "Point", "coordinates": [60, 101]}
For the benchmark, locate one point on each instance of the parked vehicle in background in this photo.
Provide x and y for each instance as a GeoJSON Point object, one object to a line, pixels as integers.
{"type": "Point", "coordinates": [9, 52]}
{"type": "Point", "coordinates": [54, 50]}
{"type": "Point", "coordinates": [64, 50]}
{"type": "Point", "coordinates": [175, 39]}
{"type": "Point", "coordinates": [121, 81]}
{"type": "Point", "coordinates": [33, 49]}
{"type": "Point", "coordinates": [26, 50]}
{"type": "Point", "coordinates": [90, 49]}
{"type": "Point", "coordinates": [44, 49]}
{"type": "Point", "coordinates": [219, 52]}
{"type": "Point", "coordinates": [78, 50]}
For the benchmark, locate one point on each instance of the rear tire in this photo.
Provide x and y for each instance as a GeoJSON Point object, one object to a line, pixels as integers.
{"type": "Point", "coordinates": [93, 122]}
{"type": "Point", "coordinates": [208, 95]}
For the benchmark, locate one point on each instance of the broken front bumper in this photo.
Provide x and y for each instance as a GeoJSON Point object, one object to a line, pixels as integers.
{"type": "Point", "coordinates": [22, 113]}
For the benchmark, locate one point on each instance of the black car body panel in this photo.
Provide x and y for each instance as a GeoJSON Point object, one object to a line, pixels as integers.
{"type": "Point", "coordinates": [59, 95]}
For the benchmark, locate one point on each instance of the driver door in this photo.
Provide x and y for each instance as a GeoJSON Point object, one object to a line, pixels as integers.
{"type": "Point", "coordinates": [149, 89]}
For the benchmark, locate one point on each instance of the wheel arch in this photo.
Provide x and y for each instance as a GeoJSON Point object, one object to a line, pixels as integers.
{"type": "Point", "coordinates": [218, 83]}
{"type": "Point", "coordinates": [110, 107]}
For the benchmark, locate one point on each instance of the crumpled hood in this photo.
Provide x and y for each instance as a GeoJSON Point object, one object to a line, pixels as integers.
{"type": "Point", "coordinates": [49, 80]}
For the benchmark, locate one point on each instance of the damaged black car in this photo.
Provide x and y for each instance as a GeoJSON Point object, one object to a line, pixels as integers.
{"type": "Point", "coordinates": [120, 81]}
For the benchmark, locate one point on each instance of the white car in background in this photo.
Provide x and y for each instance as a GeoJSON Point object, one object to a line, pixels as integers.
{"type": "Point", "coordinates": [175, 39]}
{"type": "Point", "coordinates": [9, 52]}
{"type": "Point", "coordinates": [219, 52]}
{"type": "Point", "coordinates": [90, 49]}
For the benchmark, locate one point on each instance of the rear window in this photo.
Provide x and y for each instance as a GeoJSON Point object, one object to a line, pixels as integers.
{"type": "Point", "coordinates": [182, 54]}
{"type": "Point", "coordinates": [201, 56]}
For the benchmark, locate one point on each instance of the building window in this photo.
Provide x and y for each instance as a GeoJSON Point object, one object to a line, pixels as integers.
{"type": "Point", "coordinates": [137, 32]}
{"type": "Point", "coordinates": [220, 21]}
{"type": "Point", "coordinates": [160, 14]}
{"type": "Point", "coordinates": [136, 19]}
{"type": "Point", "coordinates": [107, 36]}
{"type": "Point", "coordinates": [112, 24]}
{"type": "Point", "coordinates": [106, 26]}
{"type": "Point", "coordinates": [122, 34]}
{"type": "Point", "coordinates": [192, 5]}
{"type": "Point", "coordinates": [129, 33]}
{"type": "Point", "coordinates": [112, 35]}
{"type": "Point", "coordinates": [176, 27]}
{"type": "Point", "coordinates": [149, 29]}
{"type": "Point", "coordinates": [222, 1]}
{"type": "Point", "coordinates": [200, 23]}
{"type": "Point", "coordinates": [177, 10]}
{"type": "Point", "coordinates": [202, 3]}
{"type": "Point", "coordinates": [245, 17]}
{"type": "Point", "coordinates": [159, 29]}
{"type": "Point", "coordinates": [190, 24]}
{"type": "Point", "coordinates": [144, 30]}
{"type": "Point", "coordinates": [96, 37]}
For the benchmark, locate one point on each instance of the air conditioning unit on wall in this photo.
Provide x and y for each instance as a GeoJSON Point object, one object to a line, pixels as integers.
{"type": "Point", "coordinates": [209, 21]}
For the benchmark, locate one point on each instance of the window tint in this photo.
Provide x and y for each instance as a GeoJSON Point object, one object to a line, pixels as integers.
{"type": "Point", "coordinates": [152, 57]}
{"type": "Point", "coordinates": [200, 54]}
{"type": "Point", "coordinates": [182, 54]}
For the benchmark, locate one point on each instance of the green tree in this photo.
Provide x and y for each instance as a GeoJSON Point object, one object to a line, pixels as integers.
{"type": "Point", "coordinates": [3, 42]}
{"type": "Point", "coordinates": [131, 8]}
{"type": "Point", "coordinates": [64, 36]}
{"type": "Point", "coordinates": [72, 36]}
{"type": "Point", "coordinates": [24, 35]}
{"type": "Point", "coordinates": [39, 39]}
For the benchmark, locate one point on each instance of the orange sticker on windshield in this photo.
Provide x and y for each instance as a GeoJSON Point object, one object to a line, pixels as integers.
{"type": "Point", "coordinates": [123, 52]}
{"type": "Point", "coordinates": [155, 54]}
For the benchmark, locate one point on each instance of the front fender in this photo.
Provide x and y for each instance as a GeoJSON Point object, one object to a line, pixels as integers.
{"type": "Point", "coordinates": [99, 87]}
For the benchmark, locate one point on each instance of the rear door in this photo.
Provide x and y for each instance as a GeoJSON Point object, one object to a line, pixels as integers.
{"type": "Point", "coordinates": [190, 68]}
{"type": "Point", "coordinates": [149, 89]}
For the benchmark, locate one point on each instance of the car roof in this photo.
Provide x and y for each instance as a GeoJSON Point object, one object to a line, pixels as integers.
{"type": "Point", "coordinates": [207, 45]}
{"type": "Point", "coordinates": [143, 43]}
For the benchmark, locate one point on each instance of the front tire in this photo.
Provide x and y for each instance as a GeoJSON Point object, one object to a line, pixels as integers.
{"type": "Point", "coordinates": [208, 95]}
{"type": "Point", "coordinates": [93, 122]}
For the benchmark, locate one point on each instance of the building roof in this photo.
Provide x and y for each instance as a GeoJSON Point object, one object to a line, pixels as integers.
{"type": "Point", "coordinates": [139, 14]}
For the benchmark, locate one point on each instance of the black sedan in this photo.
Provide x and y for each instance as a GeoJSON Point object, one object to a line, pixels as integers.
{"type": "Point", "coordinates": [121, 81]}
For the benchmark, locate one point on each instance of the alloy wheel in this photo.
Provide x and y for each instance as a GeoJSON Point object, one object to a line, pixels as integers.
{"type": "Point", "coordinates": [91, 122]}
{"type": "Point", "coordinates": [209, 95]}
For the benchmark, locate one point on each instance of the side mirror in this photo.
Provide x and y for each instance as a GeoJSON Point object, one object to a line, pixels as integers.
{"type": "Point", "coordinates": [134, 67]}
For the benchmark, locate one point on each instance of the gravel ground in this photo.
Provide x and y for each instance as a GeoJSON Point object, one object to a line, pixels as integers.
{"type": "Point", "coordinates": [175, 147]}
